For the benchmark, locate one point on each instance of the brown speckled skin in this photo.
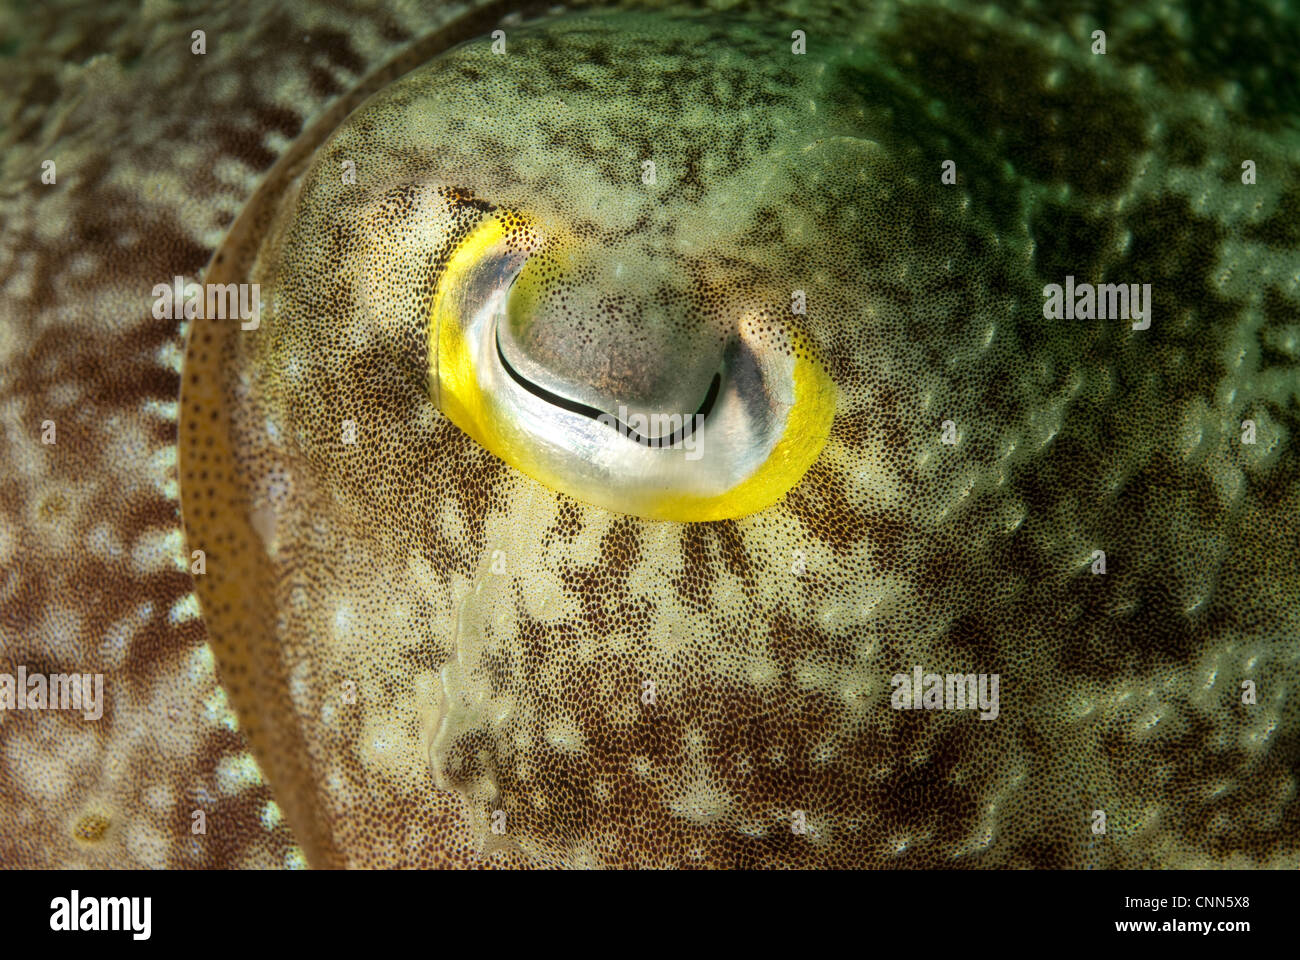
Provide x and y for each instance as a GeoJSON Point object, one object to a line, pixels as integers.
{"type": "Point", "coordinates": [1119, 692]}
{"type": "Point", "coordinates": [156, 152]}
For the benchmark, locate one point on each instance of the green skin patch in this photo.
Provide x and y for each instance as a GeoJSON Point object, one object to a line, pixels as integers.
{"type": "Point", "coordinates": [407, 609]}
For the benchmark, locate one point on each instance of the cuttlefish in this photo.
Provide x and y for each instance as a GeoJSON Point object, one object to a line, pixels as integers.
{"type": "Point", "coordinates": [650, 436]}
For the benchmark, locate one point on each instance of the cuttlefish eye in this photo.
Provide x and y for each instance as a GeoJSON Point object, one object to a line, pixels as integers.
{"type": "Point", "coordinates": [615, 388]}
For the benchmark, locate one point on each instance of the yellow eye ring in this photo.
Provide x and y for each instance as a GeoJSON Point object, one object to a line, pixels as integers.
{"type": "Point", "coordinates": [724, 465]}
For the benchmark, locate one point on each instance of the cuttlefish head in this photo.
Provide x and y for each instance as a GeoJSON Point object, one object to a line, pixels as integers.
{"type": "Point", "coordinates": [530, 468]}
{"type": "Point", "coordinates": [630, 405]}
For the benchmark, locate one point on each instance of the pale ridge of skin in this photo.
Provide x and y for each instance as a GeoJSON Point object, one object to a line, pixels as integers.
{"type": "Point", "coordinates": [116, 460]}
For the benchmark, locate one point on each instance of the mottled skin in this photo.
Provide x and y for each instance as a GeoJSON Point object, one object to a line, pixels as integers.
{"type": "Point", "coordinates": [410, 612]}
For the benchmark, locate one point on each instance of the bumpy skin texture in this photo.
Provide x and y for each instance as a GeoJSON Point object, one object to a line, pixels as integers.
{"type": "Point", "coordinates": [409, 611]}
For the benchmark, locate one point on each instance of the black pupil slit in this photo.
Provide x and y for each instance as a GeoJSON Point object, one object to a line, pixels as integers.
{"type": "Point", "coordinates": [573, 406]}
